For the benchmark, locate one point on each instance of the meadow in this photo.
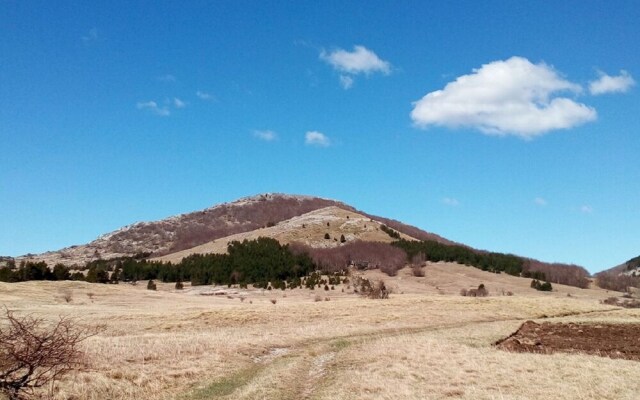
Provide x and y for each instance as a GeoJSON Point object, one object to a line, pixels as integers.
{"type": "Point", "coordinates": [424, 342]}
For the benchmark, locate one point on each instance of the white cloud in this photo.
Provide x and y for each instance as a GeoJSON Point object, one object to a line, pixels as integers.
{"type": "Point", "coordinates": [360, 60]}
{"type": "Point", "coordinates": [315, 138]}
{"type": "Point", "coordinates": [153, 107]}
{"type": "Point", "coordinates": [449, 201]}
{"type": "Point", "coordinates": [350, 63]}
{"type": "Point", "coordinates": [167, 78]}
{"type": "Point", "coordinates": [91, 36]}
{"type": "Point", "coordinates": [205, 96]}
{"type": "Point", "coordinates": [540, 201]}
{"type": "Point", "coordinates": [586, 209]}
{"type": "Point", "coordinates": [511, 97]}
{"type": "Point", "coordinates": [177, 103]}
{"type": "Point", "coordinates": [611, 84]}
{"type": "Point", "coordinates": [267, 136]}
{"type": "Point", "coordinates": [346, 81]}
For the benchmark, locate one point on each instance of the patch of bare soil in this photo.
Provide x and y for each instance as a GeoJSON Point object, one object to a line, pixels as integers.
{"type": "Point", "coordinates": [607, 340]}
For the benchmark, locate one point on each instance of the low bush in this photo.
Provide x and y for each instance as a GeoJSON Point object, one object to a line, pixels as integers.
{"type": "Point", "coordinates": [541, 286]}
{"type": "Point", "coordinates": [481, 291]}
{"type": "Point", "coordinates": [417, 271]}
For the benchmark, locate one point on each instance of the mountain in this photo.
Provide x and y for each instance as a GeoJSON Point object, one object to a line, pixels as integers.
{"type": "Point", "coordinates": [629, 267]}
{"type": "Point", "coordinates": [261, 214]}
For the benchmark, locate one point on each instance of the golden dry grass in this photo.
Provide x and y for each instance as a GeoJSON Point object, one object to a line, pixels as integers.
{"type": "Point", "coordinates": [426, 341]}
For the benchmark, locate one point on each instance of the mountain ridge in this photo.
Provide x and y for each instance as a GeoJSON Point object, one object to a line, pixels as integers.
{"type": "Point", "coordinates": [184, 231]}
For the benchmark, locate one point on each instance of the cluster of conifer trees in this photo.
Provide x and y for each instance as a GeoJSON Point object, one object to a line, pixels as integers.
{"type": "Point", "coordinates": [257, 262]}
{"type": "Point", "coordinates": [486, 261]}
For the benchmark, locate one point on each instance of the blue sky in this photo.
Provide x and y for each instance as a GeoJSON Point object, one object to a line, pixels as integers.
{"type": "Point", "coordinates": [508, 126]}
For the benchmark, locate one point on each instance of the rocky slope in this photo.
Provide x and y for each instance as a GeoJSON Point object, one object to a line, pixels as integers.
{"type": "Point", "coordinates": [186, 231]}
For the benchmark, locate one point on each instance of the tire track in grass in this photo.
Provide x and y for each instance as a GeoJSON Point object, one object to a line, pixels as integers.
{"type": "Point", "coordinates": [306, 363]}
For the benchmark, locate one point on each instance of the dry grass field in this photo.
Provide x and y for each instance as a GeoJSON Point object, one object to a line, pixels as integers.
{"type": "Point", "coordinates": [425, 342]}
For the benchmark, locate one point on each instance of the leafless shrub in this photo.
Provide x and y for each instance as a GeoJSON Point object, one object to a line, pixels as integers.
{"type": "Point", "coordinates": [614, 301]}
{"type": "Point", "coordinates": [90, 295]}
{"type": "Point", "coordinates": [34, 354]}
{"type": "Point", "coordinates": [481, 291]}
{"type": "Point", "coordinates": [327, 299]}
{"type": "Point", "coordinates": [273, 301]}
{"type": "Point", "coordinates": [377, 290]}
{"type": "Point", "coordinates": [317, 298]}
{"type": "Point", "coordinates": [417, 270]}
{"type": "Point", "coordinates": [390, 270]}
{"type": "Point", "coordinates": [67, 295]}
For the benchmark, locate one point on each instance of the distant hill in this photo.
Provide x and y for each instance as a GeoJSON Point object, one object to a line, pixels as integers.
{"type": "Point", "coordinates": [186, 231]}
{"type": "Point", "coordinates": [629, 267]}
{"type": "Point", "coordinates": [315, 223]}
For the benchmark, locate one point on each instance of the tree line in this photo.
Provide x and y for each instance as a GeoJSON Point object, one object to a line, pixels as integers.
{"type": "Point", "coordinates": [259, 261]}
{"type": "Point", "coordinates": [430, 250]}
{"type": "Point", "coordinates": [265, 260]}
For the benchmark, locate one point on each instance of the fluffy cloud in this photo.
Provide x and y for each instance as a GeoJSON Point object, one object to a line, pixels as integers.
{"type": "Point", "coordinates": [267, 136]}
{"type": "Point", "coordinates": [350, 63]}
{"type": "Point", "coordinates": [360, 60]}
{"type": "Point", "coordinates": [153, 107]}
{"type": "Point", "coordinates": [511, 97]}
{"type": "Point", "coordinates": [611, 84]}
{"type": "Point", "coordinates": [315, 138]}
{"type": "Point", "coordinates": [205, 96]}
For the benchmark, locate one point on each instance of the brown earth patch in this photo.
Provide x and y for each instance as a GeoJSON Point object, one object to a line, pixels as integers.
{"type": "Point", "coordinates": [606, 340]}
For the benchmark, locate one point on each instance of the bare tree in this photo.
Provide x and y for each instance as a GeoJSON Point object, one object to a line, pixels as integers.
{"type": "Point", "coordinates": [34, 353]}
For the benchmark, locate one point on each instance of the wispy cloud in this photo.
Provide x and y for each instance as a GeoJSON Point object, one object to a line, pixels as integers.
{"type": "Point", "coordinates": [91, 36]}
{"type": "Point", "coordinates": [350, 63]}
{"type": "Point", "coordinates": [540, 201]}
{"type": "Point", "coordinates": [510, 97]}
{"type": "Point", "coordinates": [153, 107]}
{"type": "Point", "coordinates": [586, 209]}
{"type": "Point", "coordinates": [450, 201]}
{"type": "Point", "coordinates": [346, 81]}
{"type": "Point", "coordinates": [166, 78]}
{"type": "Point", "coordinates": [611, 84]}
{"type": "Point", "coordinates": [315, 138]}
{"type": "Point", "coordinates": [205, 96]}
{"type": "Point", "coordinates": [177, 103]}
{"type": "Point", "coordinates": [267, 136]}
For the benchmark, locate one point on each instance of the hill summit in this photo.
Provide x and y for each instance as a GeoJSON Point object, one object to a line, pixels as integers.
{"type": "Point", "coordinates": [248, 217]}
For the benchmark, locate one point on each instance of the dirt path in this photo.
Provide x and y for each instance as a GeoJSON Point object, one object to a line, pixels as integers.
{"type": "Point", "coordinates": [300, 371]}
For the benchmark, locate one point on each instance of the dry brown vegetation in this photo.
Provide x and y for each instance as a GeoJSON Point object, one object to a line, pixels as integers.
{"type": "Point", "coordinates": [617, 281]}
{"type": "Point", "coordinates": [565, 274]}
{"type": "Point", "coordinates": [424, 342]}
{"type": "Point", "coordinates": [33, 354]}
